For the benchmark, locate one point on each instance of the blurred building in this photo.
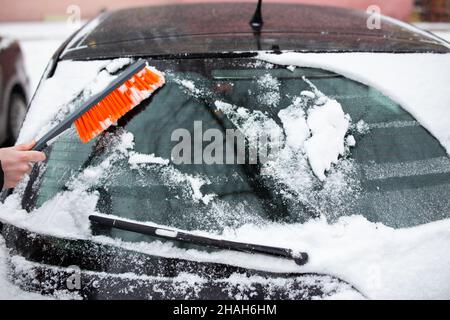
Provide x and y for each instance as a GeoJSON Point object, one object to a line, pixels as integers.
{"type": "Point", "coordinates": [39, 10]}
{"type": "Point", "coordinates": [433, 10]}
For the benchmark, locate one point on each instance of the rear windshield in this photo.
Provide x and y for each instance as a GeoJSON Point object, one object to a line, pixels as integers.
{"type": "Point", "coordinates": [223, 27]}
{"type": "Point", "coordinates": [343, 149]}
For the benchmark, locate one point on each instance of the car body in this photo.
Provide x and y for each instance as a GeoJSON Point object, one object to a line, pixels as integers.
{"type": "Point", "coordinates": [13, 90]}
{"type": "Point", "coordinates": [207, 52]}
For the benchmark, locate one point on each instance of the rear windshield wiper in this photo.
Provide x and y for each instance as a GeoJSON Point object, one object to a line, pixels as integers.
{"type": "Point", "coordinates": [300, 258]}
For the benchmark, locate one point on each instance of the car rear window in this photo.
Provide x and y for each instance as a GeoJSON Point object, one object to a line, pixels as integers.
{"type": "Point", "coordinates": [391, 171]}
{"type": "Point", "coordinates": [222, 27]}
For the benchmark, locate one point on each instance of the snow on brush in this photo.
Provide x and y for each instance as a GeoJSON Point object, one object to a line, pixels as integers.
{"type": "Point", "coordinates": [68, 81]}
{"type": "Point", "coordinates": [418, 82]}
{"type": "Point", "coordinates": [60, 94]}
{"type": "Point", "coordinates": [118, 64]}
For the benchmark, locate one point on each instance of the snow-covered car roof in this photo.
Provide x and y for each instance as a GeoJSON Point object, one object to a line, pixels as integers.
{"type": "Point", "coordinates": [225, 28]}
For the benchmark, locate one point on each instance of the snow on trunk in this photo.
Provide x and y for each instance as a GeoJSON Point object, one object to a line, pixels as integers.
{"type": "Point", "coordinates": [418, 82]}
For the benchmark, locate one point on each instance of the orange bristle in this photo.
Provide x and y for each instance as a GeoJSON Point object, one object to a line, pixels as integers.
{"type": "Point", "coordinates": [139, 87]}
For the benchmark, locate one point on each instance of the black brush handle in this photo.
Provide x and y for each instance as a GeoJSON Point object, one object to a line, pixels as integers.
{"type": "Point", "coordinates": [92, 101]}
{"type": "Point", "coordinates": [171, 234]}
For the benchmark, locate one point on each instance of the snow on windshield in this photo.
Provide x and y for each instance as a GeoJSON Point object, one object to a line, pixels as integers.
{"type": "Point", "coordinates": [269, 90]}
{"type": "Point", "coordinates": [379, 261]}
{"type": "Point", "coordinates": [418, 82]}
{"type": "Point", "coordinates": [314, 143]}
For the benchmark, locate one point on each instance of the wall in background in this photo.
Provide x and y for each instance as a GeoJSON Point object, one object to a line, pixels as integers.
{"type": "Point", "coordinates": [432, 10]}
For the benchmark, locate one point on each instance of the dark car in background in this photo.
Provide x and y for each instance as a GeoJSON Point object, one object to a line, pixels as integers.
{"type": "Point", "coordinates": [207, 52]}
{"type": "Point", "coordinates": [13, 91]}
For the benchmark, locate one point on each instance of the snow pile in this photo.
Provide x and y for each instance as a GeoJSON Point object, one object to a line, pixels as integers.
{"type": "Point", "coordinates": [418, 82]}
{"type": "Point", "coordinates": [328, 125]}
{"type": "Point", "coordinates": [97, 85]}
{"type": "Point", "coordinates": [381, 262]}
{"type": "Point", "coordinates": [118, 64]}
{"type": "Point", "coordinates": [140, 158]}
{"type": "Point", "coordinates": [294, 124]}
{"type": "Point", "coordinates": [65, 215]}
{"type": "Point", "coordinates": [303, 158]}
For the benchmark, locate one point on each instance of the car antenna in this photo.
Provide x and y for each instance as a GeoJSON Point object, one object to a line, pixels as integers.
{"type": "Point", "coordinates": [256, 23]}
{"type": "Point", "coordinates": [257, 20]}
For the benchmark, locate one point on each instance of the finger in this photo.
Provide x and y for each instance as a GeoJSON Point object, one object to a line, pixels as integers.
{"type": "Point", "coordinates": [33, 156]}
{"type": "Point", "coordinates": [12, 183]}
{"type": "Point", "coordinates": [8, 185]}
{"type": "Point", "coordinates": [21, 169]}
{"type": "Point", "coordinates": [25, 146]}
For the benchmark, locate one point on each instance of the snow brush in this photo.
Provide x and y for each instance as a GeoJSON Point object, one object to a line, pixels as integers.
{"type": "Point", "coordinates": [135, 84]}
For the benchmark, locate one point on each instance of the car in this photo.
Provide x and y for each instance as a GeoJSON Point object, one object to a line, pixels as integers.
{"type": "Point", "coordinates": [345, 196]}
{"type": "Point", "coordinates": [14, 90]}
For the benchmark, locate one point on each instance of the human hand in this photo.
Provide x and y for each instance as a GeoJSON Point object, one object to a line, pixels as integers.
{"type": "Point", "coordinates": [16, 162]}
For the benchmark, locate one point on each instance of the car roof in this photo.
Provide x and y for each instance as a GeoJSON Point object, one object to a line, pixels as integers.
{"type": "Point", "coordinates": [224, 27]}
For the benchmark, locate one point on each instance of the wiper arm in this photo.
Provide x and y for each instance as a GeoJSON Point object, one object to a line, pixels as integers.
{"type": "Point", "coordinates": [300, 258]}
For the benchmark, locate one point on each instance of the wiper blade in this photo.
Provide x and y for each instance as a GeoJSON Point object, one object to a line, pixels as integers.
{"type": "Point", "coordinates": [300, 258]}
